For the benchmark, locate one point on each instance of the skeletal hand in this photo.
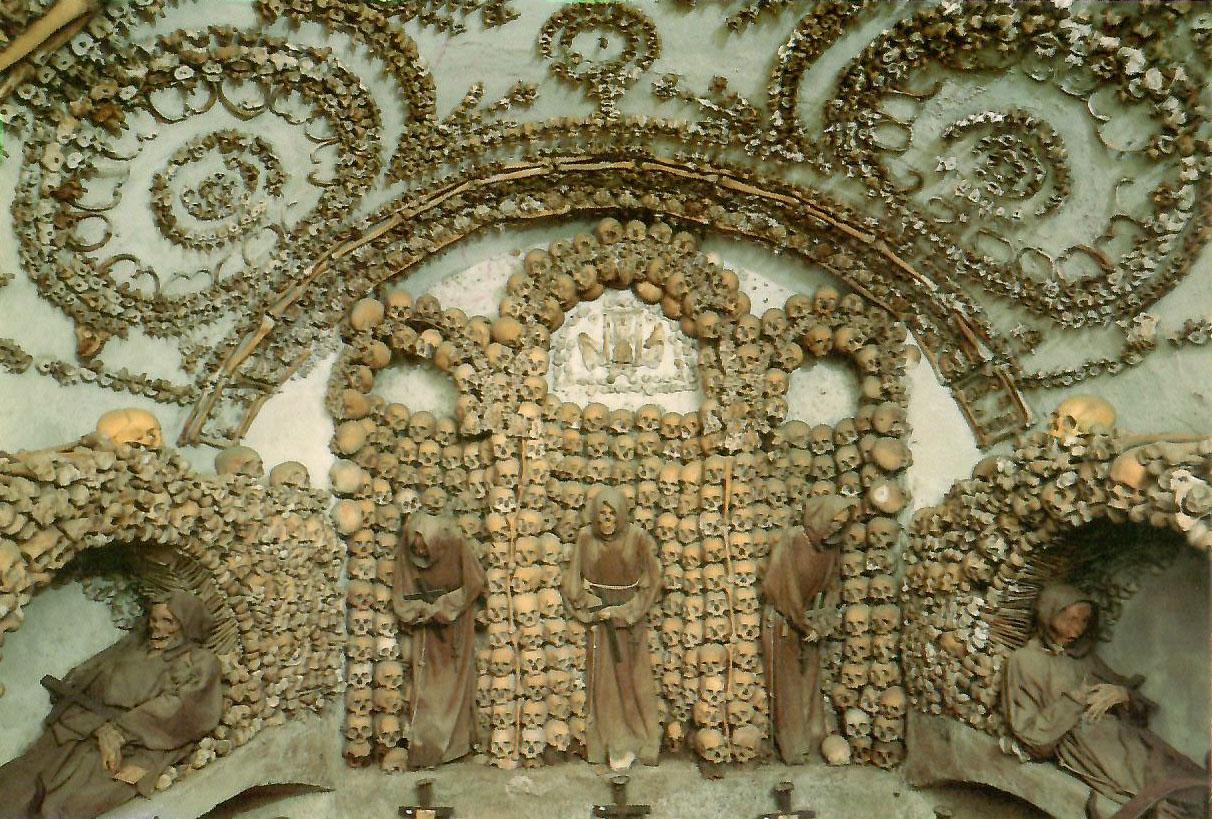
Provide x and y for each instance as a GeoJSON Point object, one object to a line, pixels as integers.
{"type": "Point", "coordinates": [1102, 698]}
{"type": "Point", "coordinates": [109, 743]}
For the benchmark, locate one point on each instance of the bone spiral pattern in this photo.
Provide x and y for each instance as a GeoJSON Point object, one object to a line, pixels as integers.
{"type": "Point", "coordinates": [992, 189]}
{"type": "Point", "coordinates": [975, 564]}
{"type": "Point", "coordinates": [264, 560]}
{"type": "Point", "coordinates": [986, 183]}
{"type": "Point", "coordinates": [713, 487]}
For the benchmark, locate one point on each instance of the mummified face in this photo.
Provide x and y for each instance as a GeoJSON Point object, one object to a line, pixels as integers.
{"type": "Point", "coordinates": [418, 545]}
{"type": "Point", "coordinates": [608, 520]}
{"type": "Point", "coordinates": [164, 630]}
{"type": "Point", "coordinates": [1070, 623]}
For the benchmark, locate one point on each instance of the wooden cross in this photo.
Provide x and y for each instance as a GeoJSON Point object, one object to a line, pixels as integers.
{"type": "Point", "coordinates": [782, 796]}
{"type": "Point", "coordinates": [426, 809]}
{"type": "Point", "coordinates": [620, 809]}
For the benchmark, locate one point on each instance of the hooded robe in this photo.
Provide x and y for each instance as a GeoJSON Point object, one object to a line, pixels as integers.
{"type": "Point", "coordinates": [620, 570]}
{"type": "Point", "coordinates": [1043, 701]}
{"type": "Point", "coordinates": [801, 567]}
{"type": "Point", "coordinates": [434, 595]}
{"type": "Point", "coordinates": [164, 701]}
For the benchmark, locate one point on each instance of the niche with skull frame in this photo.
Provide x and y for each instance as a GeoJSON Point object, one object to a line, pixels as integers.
{"type": "Point", "coordinates": [1068, 504]}
{"type": "Point", "coordinates": [714, 487]}
{"type": "Point", "coordinates": [264, 560]}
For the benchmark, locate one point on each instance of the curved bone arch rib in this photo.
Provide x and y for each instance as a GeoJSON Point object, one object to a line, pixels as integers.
{"type": "Point", "coordinates": [53, 29]}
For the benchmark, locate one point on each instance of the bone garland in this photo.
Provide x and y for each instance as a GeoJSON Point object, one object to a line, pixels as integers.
{"type": "Point", "coordinates": [74, 112]}
{"type": "Point", "coordinates": [263, 560]}
{"type": "Point", "coordinates": [977, 561]}
{"type": "Point", "coordinates": [844, 266]}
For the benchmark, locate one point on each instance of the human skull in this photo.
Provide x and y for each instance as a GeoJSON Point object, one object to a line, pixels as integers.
{"type": "Point", "coordinates": [844, 696]}
{"type": "Point", "coordinates": [557, 735]}
{"type": "Point", "coordinates": [359, 594]}
{"type": "Point", "coordinates": [856, 620]}
{"type": "Point", "coordinates": [887, 754]}
{"type": "Point", "coordinates": [358, 728]}
{"type": "Point", "coordinates": [885, 618]}
{"type": "Point", "coordinates": [748, 627]}
{"type": "Point", "coordinates": [892, 702]}
{"type": "Point", "coordinates": [883, 675]}
{"type": "Point", "coordinates": [290, 474]}
{"type": "Point", "coordinates": [358, 701]}
{"type": "Point", "coordinates": [835, 750]}
{"type": "Point", "coordinates": [1081, 415]}
{"type": "Point", "coordinates": [745, 655]}
{"type": "Point", "coordinates": [818, 339]}
{"type": "Point", "coordinates": [710, 744]}
{"type": "Point", "coordinates": [134, 427]}
{"type": "Point", "coordinates": [388, 733]}
{"type": "Point", "coordinates": [389, 674]}
{"type": "Point", "coordinates": [854, 675]}
{"type": "Point", "coordinates": [360, 622]}
{"type": "Point", "coordinates": [857, 722]}
{"type": "Point", "coordinates": [360, 675]}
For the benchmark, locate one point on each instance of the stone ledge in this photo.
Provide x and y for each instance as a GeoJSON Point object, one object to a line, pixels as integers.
{"type": "Point", "coordinates": [299, 752]}
{"type": "Point", "coordinates": [943, 750]}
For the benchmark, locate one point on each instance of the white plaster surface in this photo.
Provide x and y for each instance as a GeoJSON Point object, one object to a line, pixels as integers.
{"type": "Point", "coordinates": [62, 629]}
{"type": "Point", "coordinates": [1162, 633]}
{"type": "Point", "coordinates": [822, 392]}
{"type": "Point", "coordinates": [294, 426]}
{"type": "Point", "coordinates": [623, 353]}
{"type": "Point", "coordinates": [943, 446]}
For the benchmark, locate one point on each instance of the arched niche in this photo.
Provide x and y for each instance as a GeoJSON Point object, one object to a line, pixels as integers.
{"type": "Point", "coordinates": [1094, 508]}
{"type": "Point", "coordinates": [263, 560]}
{"type": "Point", "coordinates": [517, 465]}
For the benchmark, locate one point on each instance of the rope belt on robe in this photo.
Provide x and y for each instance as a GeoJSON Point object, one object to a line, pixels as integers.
{"type": "Point", "coordinates": [611, 632]}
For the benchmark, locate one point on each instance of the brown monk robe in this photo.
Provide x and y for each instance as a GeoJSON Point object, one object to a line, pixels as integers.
{"type": "Point", "coordinates": [1062, 702]}
{"type": "Point", "coordinates": [611, 582]}
{"type": "Point", "coordinates": [162, 690]}
{"type": "Point", "coordinates": [804, 564]}
{"type": "Point", "coordinates": [437, 581]}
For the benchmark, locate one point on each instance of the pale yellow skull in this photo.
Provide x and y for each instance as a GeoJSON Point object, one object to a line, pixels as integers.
{"type": "Point", "coordinates": [1081, 415]}
{"type": "Point", "coordinates": [239, 460]}
{"type": "Point", "coordinates": [131, 426]}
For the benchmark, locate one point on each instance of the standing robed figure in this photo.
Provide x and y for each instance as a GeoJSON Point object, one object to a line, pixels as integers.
{"type": "Point", "coordinates": [801, 591]}
{"type": "Point", "coordinates": [436, 582]}
{"type": "Point", "coordinates": [611, 582]}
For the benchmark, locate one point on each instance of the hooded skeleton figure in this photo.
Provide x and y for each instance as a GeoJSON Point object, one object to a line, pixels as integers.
{"type": "Point", "coordinates": [611, 582]}
{"type": "Point", "coordinates": [436, 583]}
{"type": "Point", "coordinates": [1062, 702]}
{"type": "Point", "coordinates": [142, 703]}
{"type": "Point", "coordinates": [802, 592]}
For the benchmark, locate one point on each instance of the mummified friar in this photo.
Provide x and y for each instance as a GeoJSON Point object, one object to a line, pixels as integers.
{"type": "Point", "coordinates": [611, 582]}
{"type": "Point", "coordinates": [436, 583]}
{"type": "Point", "coordinates": [802, 590]}
{"type": "Point", "coordinates": [1062, 702]}
{"type": "Point", "coordinates": [121, 718]}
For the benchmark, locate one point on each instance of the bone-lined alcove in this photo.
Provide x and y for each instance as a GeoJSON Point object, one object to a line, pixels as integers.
{"type": "Point", "coordinates": [714, 485]}
{"type": "Point", "coordinates": [1084, 505]}
{"type": "Point", "coordinates": [131, 518]}
{"type": "Point", "coordinates": [727, 276]}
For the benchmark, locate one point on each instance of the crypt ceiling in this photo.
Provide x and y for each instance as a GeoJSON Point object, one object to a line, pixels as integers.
{"type": "Point", "coordinates": [218, 182]}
